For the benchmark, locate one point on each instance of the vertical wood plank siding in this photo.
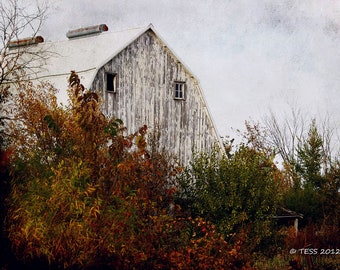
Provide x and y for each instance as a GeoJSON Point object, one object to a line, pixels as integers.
{"type": "Point", "coordinates": [146, 72]}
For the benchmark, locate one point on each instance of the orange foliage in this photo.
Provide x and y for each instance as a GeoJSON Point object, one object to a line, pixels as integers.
{"type": "Point", "coordinates": [86, 195]}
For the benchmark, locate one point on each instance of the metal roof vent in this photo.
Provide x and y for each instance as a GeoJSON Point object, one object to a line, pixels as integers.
{"type": "Point", "coordinates": [25, 42]}
{"type": "Point", "coordinates": [85, 31]}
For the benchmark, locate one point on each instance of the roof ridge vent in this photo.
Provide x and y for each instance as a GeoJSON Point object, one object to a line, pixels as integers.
{"type": "Point", "coordinates": [25, 42]}
{"type": "Point", "coordinates": [85, 31]}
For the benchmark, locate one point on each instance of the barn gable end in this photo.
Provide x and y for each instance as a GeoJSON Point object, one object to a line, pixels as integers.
{"type": "Point", "coordinates": [141, 82]}
{"type": "Point", "coordinates": [146, 73]}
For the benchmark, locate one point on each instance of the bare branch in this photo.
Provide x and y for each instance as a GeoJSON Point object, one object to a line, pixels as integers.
{"type": "Point", "coordinates": [287, 134]}
{"type": "Point", "coordinates": [17, 18]}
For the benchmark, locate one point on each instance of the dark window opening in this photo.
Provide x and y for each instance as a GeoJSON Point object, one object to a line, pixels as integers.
{"type": "Point", "coordinates": [111, 82]}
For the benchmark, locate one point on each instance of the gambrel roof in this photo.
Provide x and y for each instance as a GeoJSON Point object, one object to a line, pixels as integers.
{"type": "Point", "coordinates": [86, 55]}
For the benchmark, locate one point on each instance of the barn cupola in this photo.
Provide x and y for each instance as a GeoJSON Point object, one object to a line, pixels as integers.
{"type": "Point", "coordinates": [87, 31]}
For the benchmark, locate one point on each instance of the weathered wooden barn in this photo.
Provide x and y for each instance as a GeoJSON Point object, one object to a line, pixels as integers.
{"type": "Point", "coordinates": [141, 82]}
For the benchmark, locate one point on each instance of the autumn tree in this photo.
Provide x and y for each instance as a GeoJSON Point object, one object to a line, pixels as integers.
{"type": "Point", "coordinates": [311, 170]}
{"type": "Point", "coordinates": [85, 194]}
{"type": "Point", "coordinates": [19, 20]}
{"type": "Point", "coordinates": [316, 178]}
{"type": "Point", "coordinates": [287, 135]}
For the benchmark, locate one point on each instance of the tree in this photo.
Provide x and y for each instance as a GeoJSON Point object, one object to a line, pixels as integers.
{"type": "Point", "coordinates": [17, 18]}
{"type": "Point", "coordinates": [316, 180]}
{"type": "Point", "coordinates": [238, 192]}
{"type": "Point", "coordinates": [311, 167]}
{"type": "Point", "coordinates": [287, 136]}
{"type": "Point", "coordinates": [16, 59]}
{"type": "Point", "coordinates": [84, 194]}
{"type": "Point", "coordinates": [310, 158]}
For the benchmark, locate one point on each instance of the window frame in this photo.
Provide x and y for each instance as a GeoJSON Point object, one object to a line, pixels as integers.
{"type": "Point", "coordinates": [114, 77]}
{"type": "Point", "coordinates": [179, 94]}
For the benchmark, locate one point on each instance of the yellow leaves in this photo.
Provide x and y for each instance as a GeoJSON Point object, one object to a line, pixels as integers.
{"type": "Point", "coordinates": [78, 206]}
{"type": "Point", "coordinates": [25, 231]}
{"type": "Point", "coordinates": [84, 203]}
{"type": "Point", "coordinates": [95, 211]}
{"type": "Point", "coordinates": [33, 230]}
{"type": "Point", "coordinates": [140, 142]}
{"type": "Point", "coordinates": [37, 234]}
{"type": "Point", "coordinates": [75, 226]}
{"type": "Point", "coordinates": [17, 214]}
{"type": "Point", "coordinates": [90, 190]}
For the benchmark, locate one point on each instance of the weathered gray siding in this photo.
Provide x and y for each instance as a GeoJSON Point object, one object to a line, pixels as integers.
{"type": "Point", "coordinates": [146, 72]}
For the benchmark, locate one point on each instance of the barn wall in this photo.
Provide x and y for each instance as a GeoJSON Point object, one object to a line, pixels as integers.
{"type": "Point", "coordinates": [146, 72]}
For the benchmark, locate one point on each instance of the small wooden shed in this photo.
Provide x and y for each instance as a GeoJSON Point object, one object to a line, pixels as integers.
{"type": "Point", "coordinates": [288, 217]}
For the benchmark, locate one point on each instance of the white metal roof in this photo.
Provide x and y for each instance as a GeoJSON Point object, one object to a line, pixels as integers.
{"type": "Point", "coordinates": [85, 55]}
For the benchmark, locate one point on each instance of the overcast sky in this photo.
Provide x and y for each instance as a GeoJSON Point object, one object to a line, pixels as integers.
{"type": "Point", "coordinates": [250, 56]}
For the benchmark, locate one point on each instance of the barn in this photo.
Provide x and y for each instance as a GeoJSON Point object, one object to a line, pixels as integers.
{"type": "Point", "coordinates": [140, 80]}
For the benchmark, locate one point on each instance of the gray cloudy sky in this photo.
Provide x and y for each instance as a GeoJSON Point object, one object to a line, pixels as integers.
{"type": "Point", "coordinates": [250, 56]}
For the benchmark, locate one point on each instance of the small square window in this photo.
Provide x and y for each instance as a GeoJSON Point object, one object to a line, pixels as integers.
{"type": "Point", "coordinates": [179, 90]}
{"type": "Point", "coordinates": [111, 82]}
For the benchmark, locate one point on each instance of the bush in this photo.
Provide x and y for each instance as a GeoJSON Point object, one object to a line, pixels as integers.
{"type": "Point", "coordinates": [236, 192]}
{"type": "Point", "coordinates": [84, 195]}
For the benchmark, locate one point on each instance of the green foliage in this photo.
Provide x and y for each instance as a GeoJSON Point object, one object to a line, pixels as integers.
{"type": "Point", "coordinates": [83, 194]}
{"type": "Point", "coordinates": [316, 185]}
{"type": "Point", "coordinates": [306, 201]}
{"type": "Point", "coordinates": [238, 192]}
{"type": "Point", "coordinates": [310, 158]}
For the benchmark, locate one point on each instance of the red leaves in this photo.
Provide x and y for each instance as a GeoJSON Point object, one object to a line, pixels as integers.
{"type": "Point", "coordinates": [102, 197]}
